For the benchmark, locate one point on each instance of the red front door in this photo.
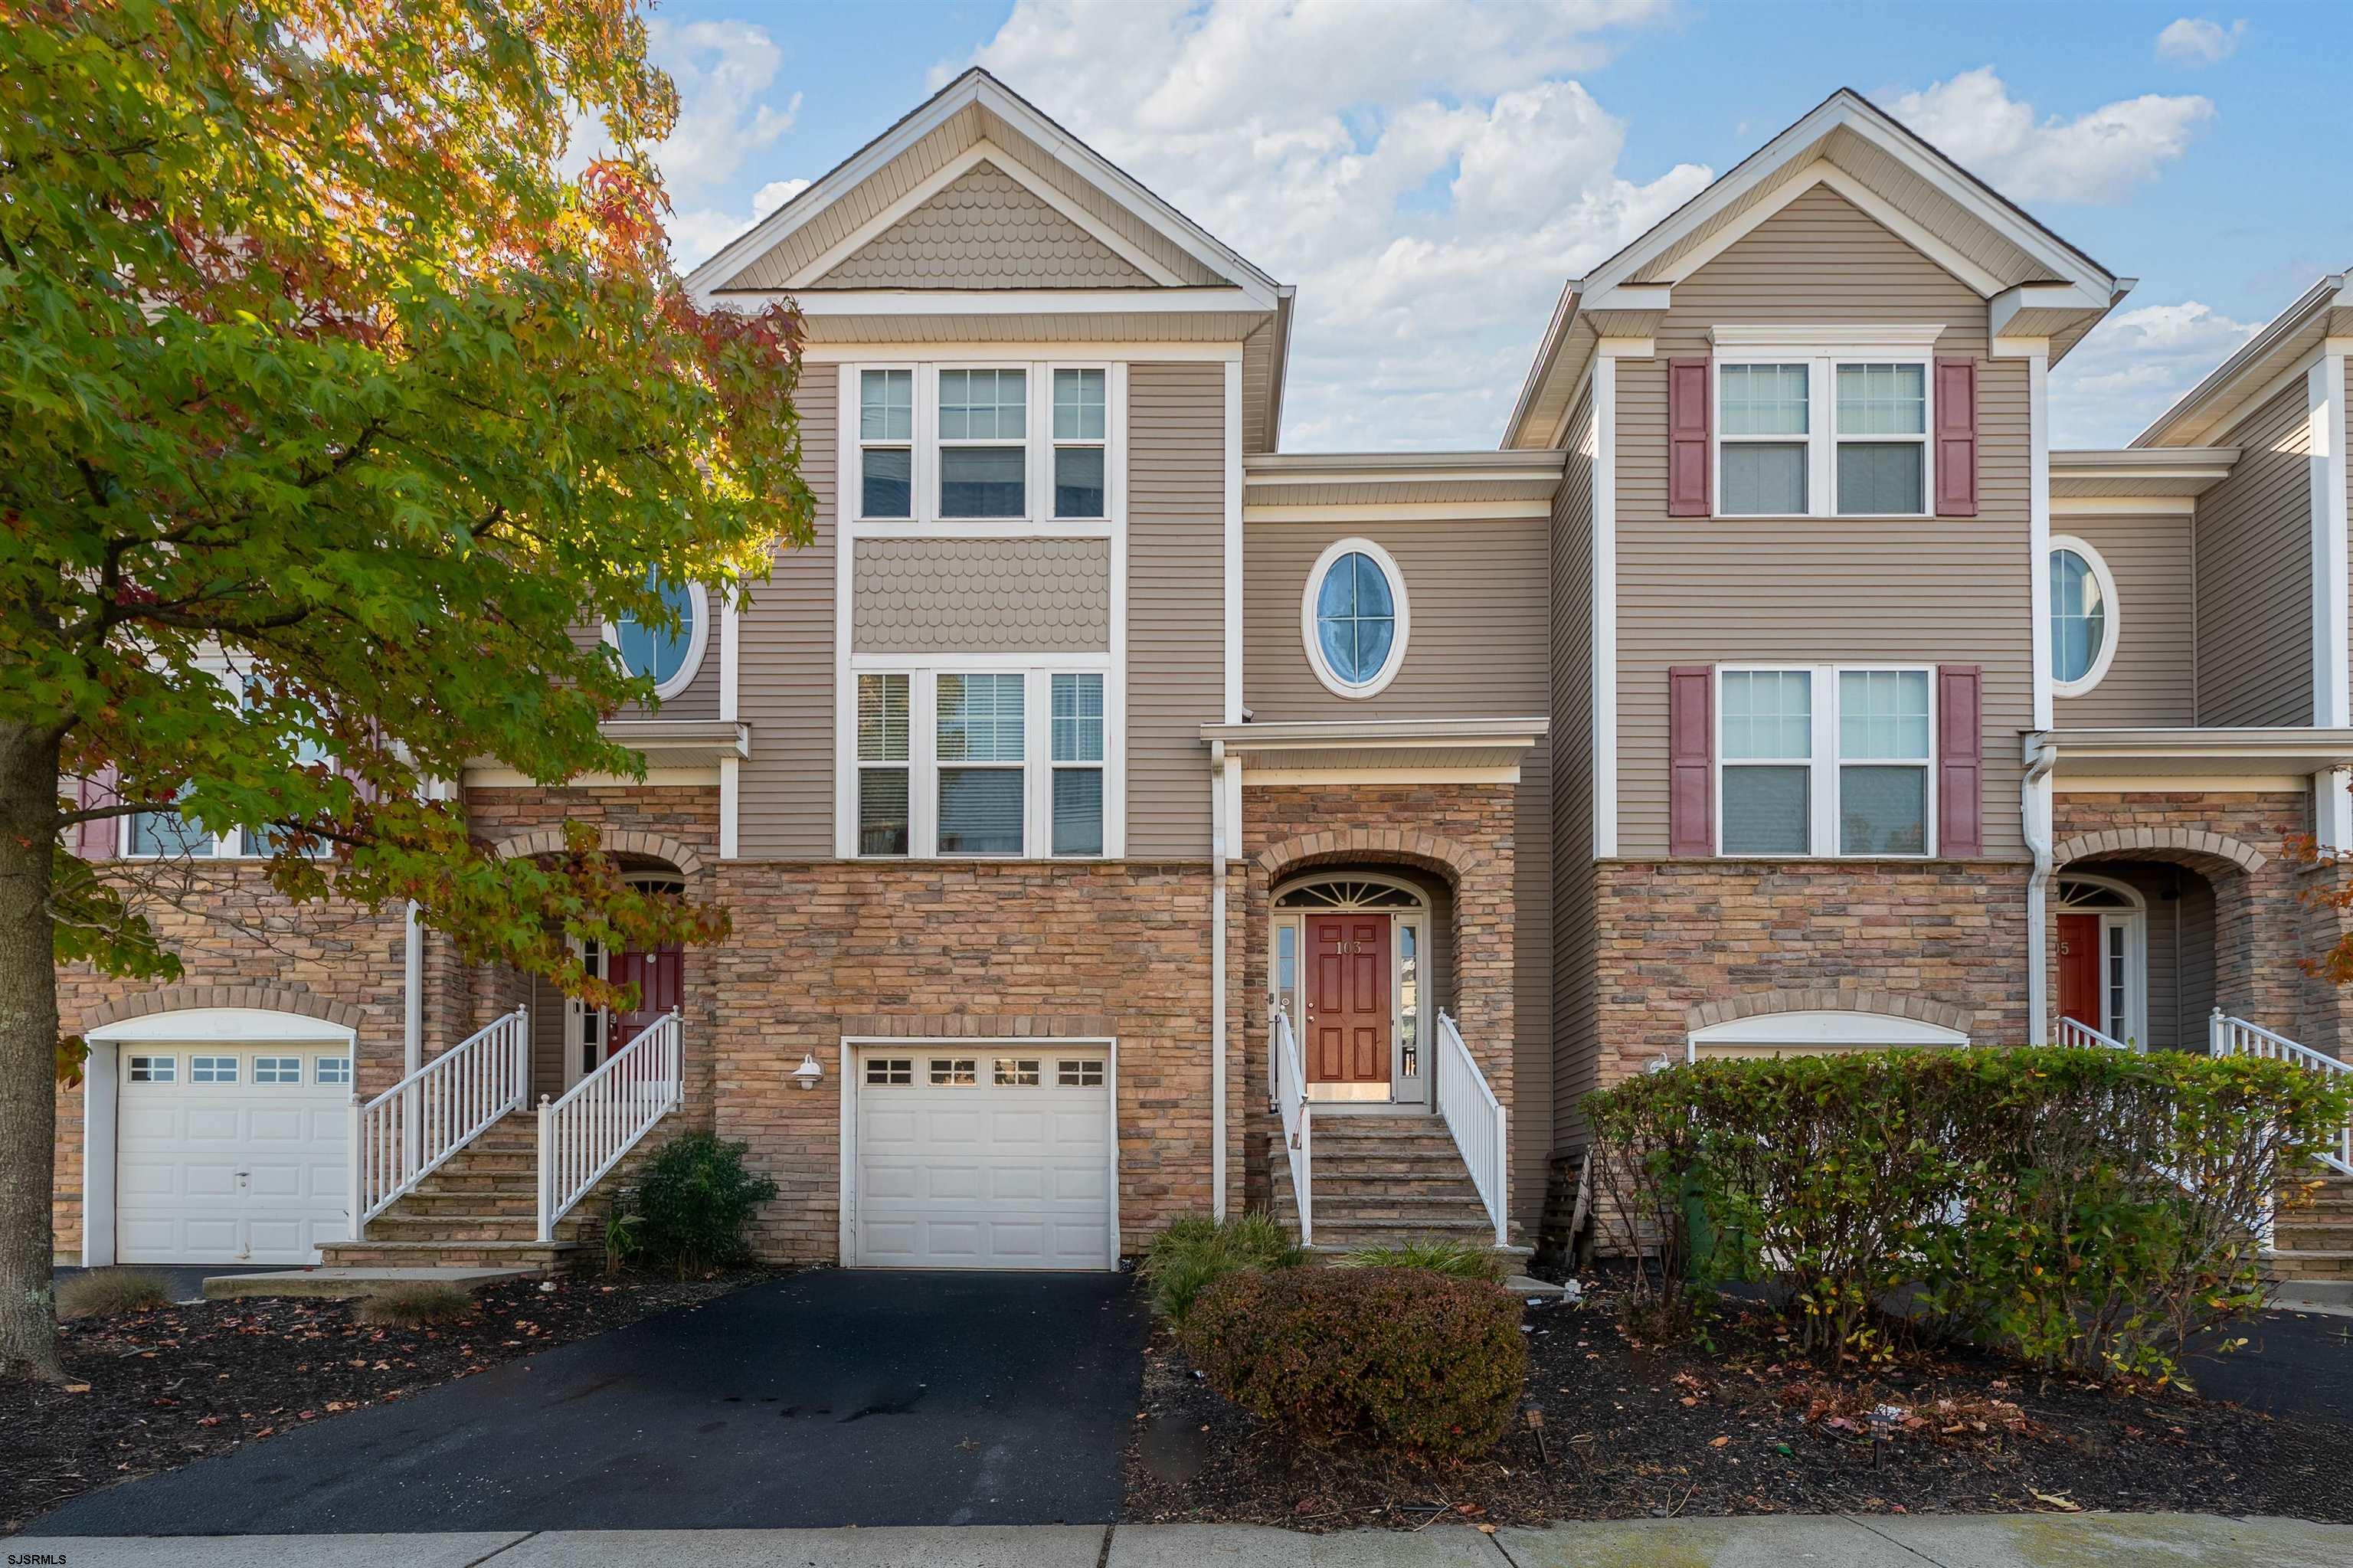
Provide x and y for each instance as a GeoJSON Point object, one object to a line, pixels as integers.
{"type": "Point", "coordinates": [1348, 998]}
{"type": "Point", "coordinates": [2079, 969]}
{"type": "Point", "coordinates": [660, 977]}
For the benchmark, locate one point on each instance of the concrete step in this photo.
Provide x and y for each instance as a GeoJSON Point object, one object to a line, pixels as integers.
{"type": "Point", "coordinates": [539, 1258]}
{"type": "Point", "coordinates": [348, 1284]}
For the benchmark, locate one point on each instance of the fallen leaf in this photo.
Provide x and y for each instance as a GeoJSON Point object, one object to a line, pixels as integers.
{"type": "Point", "coordinates": [2059, 1503]}
{"type": "Point", "coordinates": [76, 1388]}
{"type": "Point", "coordinates": [1719, 1442]}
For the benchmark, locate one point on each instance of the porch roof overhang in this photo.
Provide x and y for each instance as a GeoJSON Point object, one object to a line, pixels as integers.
{"type": "Point", "coordinates": [2162, 756]}
{"type": "Point", "coordinates": [676, 751]}
{"type": "Point", "coordinates": [1357, 745]}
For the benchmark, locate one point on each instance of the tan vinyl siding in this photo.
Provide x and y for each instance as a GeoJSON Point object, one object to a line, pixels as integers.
{"type": "Point", "coordinates": [1175, 602]}
{"type": "Point", "coordinates": [984, 230]}
{"type": "Point", "coordinates": [980, 596]}
{"type": "Point", "coordinates": [1821, 589]}
{"type": "Point", "coordinates": [785, 645]}
{"type": "Point", "coordinates": [1576, 1043]}
{"type": "Point", "coordinates": [2151, 683]}
{"type": "Point", "coordinates": [1477, 647]}
{"type": "Point", "coordinates": [2254, 574]}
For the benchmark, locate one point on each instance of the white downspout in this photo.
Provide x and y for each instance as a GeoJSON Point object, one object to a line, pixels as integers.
{"type": "Point", "coordinates": [2034, 808]}
{"type": "Point", "coordinates": [1217, 830]}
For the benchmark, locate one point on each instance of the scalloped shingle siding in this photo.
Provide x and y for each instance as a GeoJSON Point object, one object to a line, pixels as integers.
{"type": "Point", "coordinates": [984, 230]}
{"type": "Point", "coordinates": [979, 595]}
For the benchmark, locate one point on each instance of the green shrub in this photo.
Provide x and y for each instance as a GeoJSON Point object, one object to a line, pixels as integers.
{"type": "Point", "coordinates": [1396, 1358]}
{"type": "Point", "coordinates": [1460, 1259]}
{"type": "Point", "coordinates": [111, 1293]}
{"type": "Point", "coordinates": [694, 1201]}
{"type": "Point", "coordinates": [2086, 1210]}
{"type": "Point", "coordinates": [1195, 1250]}
{"type": "Point", "coordinates": [413, 1304]}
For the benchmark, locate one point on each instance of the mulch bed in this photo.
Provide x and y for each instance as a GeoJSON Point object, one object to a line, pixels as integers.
{"type": "Point", "coordinates": [1630, 1432]}
{"type": "Point", "coordinates": [154, 1391]}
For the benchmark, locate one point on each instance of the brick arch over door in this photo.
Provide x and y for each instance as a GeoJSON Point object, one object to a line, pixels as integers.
{"type": "Point", "coordinates": [252, 998]}
{"type": "Point", "coordinates": [1456, 861]}
{"type": "Point", "coordinates": [615, 841]}
{"type": "Point", "coordinates": [2192, 847]}
{"type": "Point", "coordinates": [1888, 1003]}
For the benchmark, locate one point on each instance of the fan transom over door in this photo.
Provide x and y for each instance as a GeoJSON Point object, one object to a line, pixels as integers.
{"type": "Point", "coordinates": [979, 1156]}
{"type": "Point", "coordinates": [1348, 1013]}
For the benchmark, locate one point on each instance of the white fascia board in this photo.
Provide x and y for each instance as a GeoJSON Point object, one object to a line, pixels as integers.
{"type": "Point", "coordinates": [2327, 294]}
{"type": "Point", "coordinates": [1902, 337]}
{"type": "Point", "coordinates": [1011, 301]}
{"type": "Point", "coordinates": [2007, 304]}
{"type": "Point", "coordinates": [2123, 505]}
{"type": "Point", "coordinates": [1394, 510]}
{"type": "Point", "coordinates": [1630, 297]}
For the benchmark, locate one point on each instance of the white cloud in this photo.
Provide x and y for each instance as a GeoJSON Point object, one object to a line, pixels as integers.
{"type": "Point", "coordinates": [2194, 41]}
{"type": "Point", "coordinates": [2131, 367]}
{"type": "Point", "coordinates": [2097, 158]}
{"type": "Point", "coordinates": [723, 71]}
{"type": "Point", "coordinates": [696, 233]}
{"type": "Point", "coordinates": [1427, 182]}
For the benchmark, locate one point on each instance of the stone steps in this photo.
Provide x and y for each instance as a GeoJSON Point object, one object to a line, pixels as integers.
{"type": "Point", "coordinates": [2295, 1265]}
{"type": "Point", "coordinates": [1383, 1180]}
{"type": "Point", "coordinates": [2315, 1239]}
{"type": "Point", "coordinates": [541, 1257]}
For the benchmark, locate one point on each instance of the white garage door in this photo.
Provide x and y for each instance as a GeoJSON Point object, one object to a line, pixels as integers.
{"type": "Point", "coordinates": [231, 1153]}
{"type": "Point", "coordinates": [984, 1157]}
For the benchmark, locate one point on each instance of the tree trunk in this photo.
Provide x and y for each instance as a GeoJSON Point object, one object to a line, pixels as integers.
{"type": "Point", "coordinates": [28, 1040]}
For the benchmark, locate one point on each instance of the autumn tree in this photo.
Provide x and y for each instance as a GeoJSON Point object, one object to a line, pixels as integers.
{"type": "Point", "coordinates": [322, 365]}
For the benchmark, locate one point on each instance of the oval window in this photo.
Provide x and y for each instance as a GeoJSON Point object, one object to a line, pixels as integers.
{"type": "Point", "coordinates": [667, 655]}
{"type": "Point", "coordinates": [1356, 615]}
{"type": "Point", "coordinates": [2082, 616]}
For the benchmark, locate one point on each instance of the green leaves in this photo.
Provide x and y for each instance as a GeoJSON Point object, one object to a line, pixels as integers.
{"type": "Point", "coordinates": [322, 378]}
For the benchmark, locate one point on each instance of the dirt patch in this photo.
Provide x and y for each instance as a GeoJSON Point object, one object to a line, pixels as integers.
{"type": "Point", "coordinates": [1626, 1432]}
{"type": "Point", "coordinates": [158, 1389]}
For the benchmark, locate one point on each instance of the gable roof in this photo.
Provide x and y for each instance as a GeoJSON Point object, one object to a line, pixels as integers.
{"type": "Point", "coordinates": [2037, 283]}
{"type": "Point", "coordinates": [783, 250]}
{"type": "Point", "coordinates": [2246, 378]}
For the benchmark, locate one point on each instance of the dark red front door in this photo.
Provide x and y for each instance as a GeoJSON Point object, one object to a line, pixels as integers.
{"type": "Point", "coordinates": [1348, 998]}
{"type": "Point", "coordinates": [2079, 969]}
{"type": "Point", "coordinates": [660, 977]}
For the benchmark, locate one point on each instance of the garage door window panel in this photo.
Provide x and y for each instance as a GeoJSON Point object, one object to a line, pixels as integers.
{"type": "Point", "coordinates": [334, 1069]}
{"type": "Point", "coordinates": [212, 1069]}
{"type": "Point", "coordinates": [155, 1069]}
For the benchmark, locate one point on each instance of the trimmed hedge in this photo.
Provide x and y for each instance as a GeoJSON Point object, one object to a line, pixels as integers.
{"type": "Point", "coordinates": [2086, 1210]}
{"type": "Point", "coordinates": [1398, 1358]}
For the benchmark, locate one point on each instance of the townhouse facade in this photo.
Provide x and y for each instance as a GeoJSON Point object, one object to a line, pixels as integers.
{"type": "Point", "coordinates": [1121, 817]}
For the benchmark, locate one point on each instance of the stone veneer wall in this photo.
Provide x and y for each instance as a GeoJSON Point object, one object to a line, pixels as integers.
{"type": "Point", "coordinates": [966, 949]}
{"type": "Point", "coordinates": [1689, 942]}
{"type": "Point", "coordinates": [1463, 832]}
{"type": "Point", "coordinates": [2264, 928]}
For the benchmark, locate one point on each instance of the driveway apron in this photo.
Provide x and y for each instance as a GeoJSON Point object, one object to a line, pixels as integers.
{"type": "Point", "coordinates": [828, 1398]}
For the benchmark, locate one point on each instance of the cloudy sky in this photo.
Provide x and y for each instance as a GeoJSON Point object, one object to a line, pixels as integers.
{"type": "Point", "coordinates": [1428, 171]}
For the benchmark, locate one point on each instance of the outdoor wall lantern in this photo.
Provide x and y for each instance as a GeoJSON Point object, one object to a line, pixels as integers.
{"type": "Point", "coordinates": [807, 1074]}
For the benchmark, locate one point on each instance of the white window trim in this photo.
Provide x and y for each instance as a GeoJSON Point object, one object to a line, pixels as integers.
{"type": "Point", "coordinates": [1045, 375]}
{"type": "Point", "coordinates": [230, 845]}
{"type": "Point", "coordinates": [1037, 764]}
{"type": "Point", "coordinates": [927, 504]}
{"type": "Point", "coordinates": [1387, 672]}
{"type": "Point", "coordinates": [1822, 350]}
{"type": "Point", "coordinates": [925, 518]}
{"type": "Point", "coordinates": [854, 442]}
{"type": "Point", "coordinates": [1821, 803]}
{"type": "Point", "coordinates": [698, 641]}
{"type": "Point", "coordinates": [2110, 628]}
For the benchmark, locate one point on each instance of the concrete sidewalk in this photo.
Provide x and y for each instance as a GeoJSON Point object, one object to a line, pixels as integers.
{"type": "Point", "coordinates": [1827, 1541]}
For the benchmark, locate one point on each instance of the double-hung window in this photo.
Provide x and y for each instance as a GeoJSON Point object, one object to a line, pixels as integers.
{"type": "Point", "coordinates": [1078, 762]}
{"type": "Point", "coordinates": [884, 827]}
{"type": "Point", "coordinates": [886, 443]}
{"type": "Point", "coordinates": [1079, 426]}
{"type": "Point", "coordinates": [984, 421]}
{"type": "Point", "coordinates": [1823, 761]}
{"type": "Point", "coordinates": [983, 784]}
{"type": "Point", "coordinates": [1805, 433]}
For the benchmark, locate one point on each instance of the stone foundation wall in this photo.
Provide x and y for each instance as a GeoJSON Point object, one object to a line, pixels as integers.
{"type": "Point", "coordinates": [822, 950]}
{"type": "Point", "coordinates": [1685, 943]}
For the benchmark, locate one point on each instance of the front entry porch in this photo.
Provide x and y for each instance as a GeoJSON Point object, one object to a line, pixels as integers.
{"type": "Point", "coordinates": [1352, 966]}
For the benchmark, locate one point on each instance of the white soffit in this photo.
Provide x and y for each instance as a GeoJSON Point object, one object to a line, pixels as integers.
{"type": "Point", "coordinates": [2208, 410]}
{"type": "Point", "coordinates": [2139, 472]}
{"type": "Point", "coordinates": [1402, 479]}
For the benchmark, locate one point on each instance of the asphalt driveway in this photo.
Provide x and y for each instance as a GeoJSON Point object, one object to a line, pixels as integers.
{"type": "Point", "coordinates": [827, 1398]}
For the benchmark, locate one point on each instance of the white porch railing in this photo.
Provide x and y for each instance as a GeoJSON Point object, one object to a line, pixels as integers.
{"type": "Point", "coordinates": [403, 1135]}
{"type": "Point", "coordinates": [2075, 1033]}
{"type": "Point", "coordinates": [1286, 1080]}
{"type": "Point", "coordinates": [1475, 1117]}
{"type": "Point", "coordinates": [600, 1118]}
{"type": "Point", "coordinates": [2237, 1037]}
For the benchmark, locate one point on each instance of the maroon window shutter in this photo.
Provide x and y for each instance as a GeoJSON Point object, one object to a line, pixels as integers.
{"type": "Point", "coordinates": [1956, 438]}
{"type": "Point", "coordinates": [1960, 766]}
{"type": "Point", "coordinates": [1691, 758]}
{"type": "Point", "coordinates": [97, 838]}
{"type": "Point", "coordinates": [1687, 476]}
